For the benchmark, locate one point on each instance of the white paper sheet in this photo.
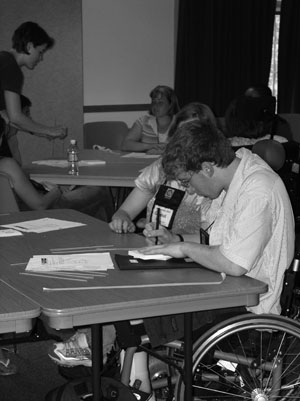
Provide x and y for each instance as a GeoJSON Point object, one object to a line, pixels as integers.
{"type": "Point", "coordinates": [42, 225]}
{"type": "Point", "coordinates": [141, 155]}
{"type": "Point", "coordinates": [70, 262]}
{"type": "Point", "coordinates": [9, 233]}
{"type": "Point", "coordinates": [139, 255]}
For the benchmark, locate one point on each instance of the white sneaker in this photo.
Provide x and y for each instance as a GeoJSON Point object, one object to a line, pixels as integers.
{"type": "Point", "coordinates": [72, 352]}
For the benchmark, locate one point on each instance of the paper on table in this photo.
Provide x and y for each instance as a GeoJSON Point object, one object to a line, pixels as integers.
{"type": "Point", "coordinates": [9, 233]}
{"type": "Point", "coordinates": [139, 255]}
{"type": "Point", "coordinates": [42, 225]}
{"type": "Point", "coordinates": [64, 163]}
{"type": "Point", "coordinates": [80, 262]}
{"type": "Point", "coordinates": [141, 155]}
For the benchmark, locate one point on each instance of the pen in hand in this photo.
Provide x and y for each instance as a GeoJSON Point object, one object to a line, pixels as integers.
{"type": "Point", "coordinates": [157, 223]}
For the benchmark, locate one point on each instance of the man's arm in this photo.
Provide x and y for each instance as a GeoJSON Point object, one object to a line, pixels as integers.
{"type": "Point", "coordinates": [207, 256]}
{"type": "Point", "coordinates": [24, 123]}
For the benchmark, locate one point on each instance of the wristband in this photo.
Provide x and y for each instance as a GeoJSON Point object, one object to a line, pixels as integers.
{"type": "Point", "coordinates": [181, 239]}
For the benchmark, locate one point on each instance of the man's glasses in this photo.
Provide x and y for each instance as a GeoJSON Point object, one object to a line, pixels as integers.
{"type": "Point", "coordinates": [185, 181]}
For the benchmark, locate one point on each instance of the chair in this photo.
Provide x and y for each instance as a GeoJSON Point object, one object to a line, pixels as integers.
{"type": "Point", "coordinates": [272, 152]}
{"type": "Point", "coordinates": [8, 201]}
{"type": "Point", "coordinates": [294, 123]}
{"type": "Point", "coordinates": [109, 134]}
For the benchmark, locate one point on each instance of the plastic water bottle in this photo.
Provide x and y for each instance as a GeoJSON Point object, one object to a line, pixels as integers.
{"type": "Point", "coordinates": [73, 158]}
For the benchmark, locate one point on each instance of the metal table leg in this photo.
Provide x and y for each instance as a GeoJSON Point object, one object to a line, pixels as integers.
{"type": "Point", "coordinates": [188, 356]}
{"type": "Point", "coordinates": [97, 360]}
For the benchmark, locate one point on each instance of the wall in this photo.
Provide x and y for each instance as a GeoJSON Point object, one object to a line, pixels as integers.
{"type": "Point", "coordinates": [128, 48]}
{"type": "Point", "coordinates": [55, 87]}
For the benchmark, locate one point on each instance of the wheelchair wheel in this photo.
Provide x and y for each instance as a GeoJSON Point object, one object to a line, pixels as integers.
{"type": "Point", "coordinates": [249, 357]}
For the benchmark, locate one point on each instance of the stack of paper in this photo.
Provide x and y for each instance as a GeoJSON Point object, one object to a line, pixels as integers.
{"type": "Point", "coordinates": [71, 262]}
{"type": "Point", "coordinates": [42, 225]}
{"type": "Point", "coordinates": [9, 233]}
{"type": "Point", "coordinates": [140, 255]}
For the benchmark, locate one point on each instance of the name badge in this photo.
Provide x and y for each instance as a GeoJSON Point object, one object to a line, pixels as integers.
{"type": "Point", "coordinates": [168, 200]}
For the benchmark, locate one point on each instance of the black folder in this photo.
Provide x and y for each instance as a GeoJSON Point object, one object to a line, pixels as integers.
{"type": "Point", "coordinates": [126, 262]}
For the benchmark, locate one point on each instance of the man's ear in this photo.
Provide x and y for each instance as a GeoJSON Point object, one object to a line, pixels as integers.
{"type": "Point", "coordinates": [29, 47]}
{"type": "Point", "coordinates": [207, 169]}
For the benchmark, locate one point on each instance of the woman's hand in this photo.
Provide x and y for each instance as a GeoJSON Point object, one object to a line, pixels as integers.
{"type": "Point", "coordinates": [156, 149]}
{"type": "Point", "coordinates": [122, 223]}
{"type": "Point", "coordinates": [158, 236]}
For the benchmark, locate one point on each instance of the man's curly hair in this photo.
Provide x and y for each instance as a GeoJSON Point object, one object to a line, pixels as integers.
{"type": "Point", "coordinates": [194, 143]}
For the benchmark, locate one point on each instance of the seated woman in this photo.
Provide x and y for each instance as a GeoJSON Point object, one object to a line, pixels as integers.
{"type": "Point", "coordinates": [95, 201]}
{"type": "Point", "coordinates": [251, 122]}
{"type": "Point", "coordinates": [251, 117]}
{"type": "Point", "coordinates": [150, 132]}
{"type": "Point", "coordinates": [21, 184]}
{"type": "Point", "coordinates": [184, 217]}
{"type": "Point", "coordinates": [25, 190]}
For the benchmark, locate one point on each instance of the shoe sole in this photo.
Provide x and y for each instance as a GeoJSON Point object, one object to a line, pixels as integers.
{"type": "Point", "coordinates": [71, 364]}
{"type": "Point", "coordinates": [8, 373]}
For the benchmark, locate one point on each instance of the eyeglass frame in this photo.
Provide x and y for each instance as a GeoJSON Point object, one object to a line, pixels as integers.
{"type": "Point", "coordinates": [185, 182]}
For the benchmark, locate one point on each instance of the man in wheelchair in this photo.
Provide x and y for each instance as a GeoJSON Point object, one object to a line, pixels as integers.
{"type": "Point", "coordinates": [250, 230]}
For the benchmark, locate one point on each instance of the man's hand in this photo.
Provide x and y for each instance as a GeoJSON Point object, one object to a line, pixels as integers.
{"type": "Point", "coordinates": [60, 132]}
{"type": "Point", "coordinates": [162, 235]}
{"type": "Point", "coordinates": [175, 250]}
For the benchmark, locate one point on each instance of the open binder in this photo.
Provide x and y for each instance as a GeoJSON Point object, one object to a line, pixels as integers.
{"type": "Point", "coordinates": [126, 262]}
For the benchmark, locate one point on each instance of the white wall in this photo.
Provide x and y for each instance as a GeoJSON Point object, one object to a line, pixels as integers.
{"type": "Point", "coordinates": [128, 49]}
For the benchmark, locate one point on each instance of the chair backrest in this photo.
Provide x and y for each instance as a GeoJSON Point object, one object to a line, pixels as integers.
{"type": "Point", "coordinates": [109, 134]}
{"type": "Point", "coordinates": [271, 152]}
{"type": "Point", "coordinates": [8, 201]}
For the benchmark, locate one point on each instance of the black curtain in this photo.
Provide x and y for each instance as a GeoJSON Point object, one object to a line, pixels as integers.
{"type": "Point", "coordinates": [289, 57]}
{"type": "Point", "coordinates": [223, 47]}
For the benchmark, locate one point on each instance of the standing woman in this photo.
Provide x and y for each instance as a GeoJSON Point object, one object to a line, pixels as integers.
{"type": "Point", "coordinates": [149, 133]}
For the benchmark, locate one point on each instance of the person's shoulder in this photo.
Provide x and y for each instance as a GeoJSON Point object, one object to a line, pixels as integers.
{"type": "Point", "coordinates": [5, 55]}
{"type": "Point", "coordinates": [7, 61]}
{"type": "Point", "coordinates": [255, 170]}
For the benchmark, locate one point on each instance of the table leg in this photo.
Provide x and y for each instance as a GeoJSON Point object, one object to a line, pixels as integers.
{"type": "Point", "coordinates": [188, 356]}
{"type": "Point", "coordinates": [97, 360]}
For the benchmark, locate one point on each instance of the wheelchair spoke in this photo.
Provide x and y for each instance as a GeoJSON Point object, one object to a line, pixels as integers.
{"type": "Point", "coordinates": [250, 357]}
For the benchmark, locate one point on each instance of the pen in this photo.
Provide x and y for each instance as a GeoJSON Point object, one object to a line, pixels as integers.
{"type": "Point", "coordinates": [157, 223]}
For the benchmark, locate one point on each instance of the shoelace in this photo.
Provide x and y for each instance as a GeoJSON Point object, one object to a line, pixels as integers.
{"type": "Point", "coordinates": [73, 350]}
{"type": "Point", "coordinates": [5, 363]}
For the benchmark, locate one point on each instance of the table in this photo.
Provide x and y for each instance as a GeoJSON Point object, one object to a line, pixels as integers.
{"type": "Point", "coordinates": [117, 172]}
{"type": "Point", "coordinates": [16, 310]}
{"type": "Point", "coordinates": [95, 307]}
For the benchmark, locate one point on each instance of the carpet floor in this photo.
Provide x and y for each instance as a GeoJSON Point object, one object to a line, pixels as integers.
{"type": "Point", "coordinates": [36, 375]}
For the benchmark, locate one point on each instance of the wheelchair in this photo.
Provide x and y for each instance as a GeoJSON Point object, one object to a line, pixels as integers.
{"type": "Point", "coordinates": [249, 357]}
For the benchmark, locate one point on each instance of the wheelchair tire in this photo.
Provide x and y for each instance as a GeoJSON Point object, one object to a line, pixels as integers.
{"type": "Point", "coordinates": [250, 357]}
